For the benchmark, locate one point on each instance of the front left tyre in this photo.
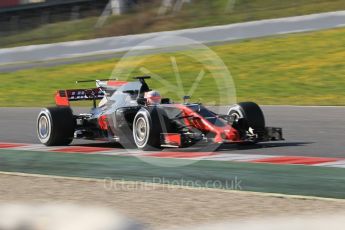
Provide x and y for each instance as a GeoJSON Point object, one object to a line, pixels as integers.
{"type": "Point", "coordinates": [148, 125]}
{"type": "Point", "coordinates": [55, 126]}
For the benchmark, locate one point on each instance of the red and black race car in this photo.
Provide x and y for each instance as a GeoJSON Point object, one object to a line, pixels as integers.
{"type": "Point", "coordinates": [126, 115]}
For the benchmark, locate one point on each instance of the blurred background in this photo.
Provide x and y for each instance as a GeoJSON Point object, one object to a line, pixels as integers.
{"type": "Point", "coordinates": [26, 22]}
{"type": "Point", "coordinates": [295, 62]}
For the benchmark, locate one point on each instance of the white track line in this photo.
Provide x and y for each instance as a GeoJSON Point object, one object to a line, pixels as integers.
{"type": "Point", "coordinates": [340, 163]}
{"type": "Point", "coordinates": [236, 157]}
{"type": "Point", "coordinates": [34, 147]}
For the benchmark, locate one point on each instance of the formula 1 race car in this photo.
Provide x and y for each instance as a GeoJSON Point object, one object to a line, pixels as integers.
{"type": "Point", "coordinates": [127, 115]}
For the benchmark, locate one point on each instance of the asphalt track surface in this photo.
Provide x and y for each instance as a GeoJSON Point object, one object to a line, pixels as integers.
{"type": "Point", "coordinates": [96, 49]}
{"type": "Point", "coordinates": [309, 131]}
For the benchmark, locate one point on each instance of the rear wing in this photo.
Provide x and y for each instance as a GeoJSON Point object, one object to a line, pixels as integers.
{"type": "Point", "coordinates": [63, 97]}
{"type": "Point", "coordinates": [105, 87]}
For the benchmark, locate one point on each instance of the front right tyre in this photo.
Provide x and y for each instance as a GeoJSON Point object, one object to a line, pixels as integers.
{"type": "Point", "coordinates": [248, 115]}
{"type": "Point", "coordinates": [251, 113]}
{"type": "Point", "coordinates": [55, 126]}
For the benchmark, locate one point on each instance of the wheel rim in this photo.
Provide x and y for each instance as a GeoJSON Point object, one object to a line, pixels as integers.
{"type": "Point", "coordinates": [141, 130]}
{"type": "Point", "coordinates": [235, 114]}
{"type": "Point", "coordinates": [43, 127]}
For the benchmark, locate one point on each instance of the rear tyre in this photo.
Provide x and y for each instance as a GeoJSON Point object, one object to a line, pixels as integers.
{"type": "Point", "coordinates": [55, 126]}
{"type": "Point", "coordinates": [248, 115]}
{"type": "Point", "coordinates": [147, 127]}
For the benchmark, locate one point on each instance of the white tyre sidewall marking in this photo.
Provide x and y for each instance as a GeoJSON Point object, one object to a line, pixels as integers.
{"type": "Point", "coordinates": [237, 109]}
{"type": "Point", "coordinates": [46, 114]}
{"type": "Point", "coordinates": [147, 129]}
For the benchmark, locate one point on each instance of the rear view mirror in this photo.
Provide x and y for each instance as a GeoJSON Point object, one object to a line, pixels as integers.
{"type": "Point", "coordinates": [166, 101]}
{"type": "Point", "coordinates": [141, 101]}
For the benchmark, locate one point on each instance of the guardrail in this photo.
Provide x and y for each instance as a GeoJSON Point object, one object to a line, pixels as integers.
{"type": "Point", "coordinates": [29, 16]}
{"type": "Point", "coordinates": [49, 3]}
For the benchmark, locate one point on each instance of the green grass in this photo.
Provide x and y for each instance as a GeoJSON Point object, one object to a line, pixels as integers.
{"type": "Point", "coordinates": [146, 19]}
{"type": "Point", "coordinates": [297, 69]}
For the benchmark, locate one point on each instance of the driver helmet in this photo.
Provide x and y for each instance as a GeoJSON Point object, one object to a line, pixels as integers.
{"type": "Point", "coordinates": [153, 97]}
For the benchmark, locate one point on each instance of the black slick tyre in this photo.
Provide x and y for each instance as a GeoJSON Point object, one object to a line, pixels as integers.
{"type": "Point", "coordinates": [252, 114]}
{"type": "Point", "coordinates": [248, 115]}
{"type": "Point", "coordinates": [148, 125]}
{"type": "Point", "coordinates": [55, 126]}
